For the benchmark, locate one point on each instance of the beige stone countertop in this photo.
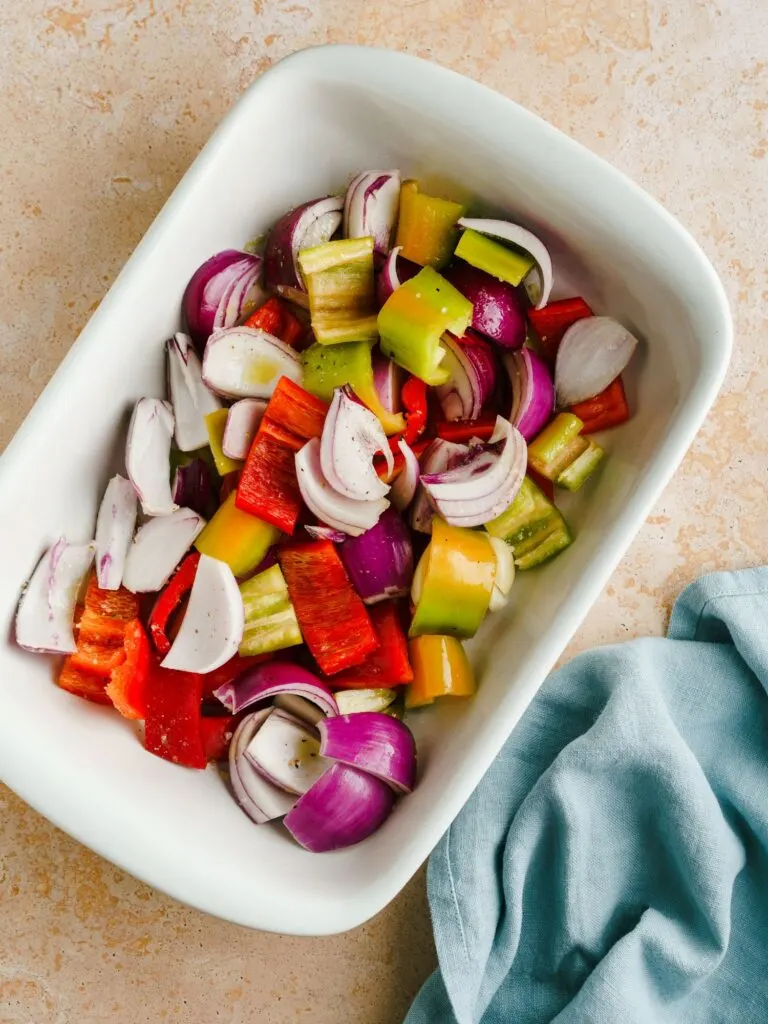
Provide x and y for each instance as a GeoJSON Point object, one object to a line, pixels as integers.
{"type": "Point", "coordinates": [104, 105]}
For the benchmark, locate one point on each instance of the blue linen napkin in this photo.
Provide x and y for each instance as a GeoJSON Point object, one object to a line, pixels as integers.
{"type": "Point", "coordinates": [612, 866]}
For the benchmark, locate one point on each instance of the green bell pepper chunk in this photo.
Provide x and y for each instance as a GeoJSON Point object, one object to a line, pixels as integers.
{"type": "Point", "coordinates": [582, 467]}
{"type": "Point", "coordinates": [557, 446]}
{"type": "Point", "coordinates": [342, 295]}
{"type": "Point", "coordinates": [453, 582]}
{"type": "Point", "coordinates": [426, 226]}
{"type": "Point", "coordinates": [414, 318]}
{"type": "Point", "coordinates": [532, 526]}
{"type": "Point", "coordinates": [494, 258]}
{"type": "Point", "coordinates": [327, 367]}
{"type": "Point", "coordinates": [270, 621]}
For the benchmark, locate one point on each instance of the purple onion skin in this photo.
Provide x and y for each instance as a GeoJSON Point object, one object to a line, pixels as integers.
{"type": "Point", "coordinates": [343, 807]}
{"type": "Point", "coordinates": [205, 290]}
{"type": "Point", "coordinates": [379, 562]}
{"type": "Point", "coordinates": [498, 312]}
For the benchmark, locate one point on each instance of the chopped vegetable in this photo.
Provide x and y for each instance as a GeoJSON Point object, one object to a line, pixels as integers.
{"type": "Point", "coordinates": [593, 352]}
{"type": "Point", "coordinates": [337, 511]}
{"type": "Point", "coordinates": [340, 283]}
{"type": "Point", "coordinates": [220, 291]}
{"type": "Point", "coordinates": [440, 669]}
{"type": "Point", "coordinates": [127, 686]}
{"type": "Point", "coordinates": [276, 319]}
{"type": "Point", "coordinates": [47, 605]}
{"type": "Point", "coordinates": [532, 526]}
{"type": "Point", "coordinates": [386, 666]}
{"type": "Point", "coordinates": [414, 398]}
{"type": "Point", "coordinates": [463, 431]}
{"type": "Point", "coordinates": [557, 446]}
{"type": "Point", "coordinates": [217, 734]}
{"type": "Point", "coordinates": [533, 393]}
{"type": "Point", "coordinates": [351, 702]}
{"type": "Point", "coordinates": [147, 455]}
{"type": "Point", "coordinates": [172, 726]}
{"type": "Point", "coordinates": [370, 207]}
{"type": "Point", "coordinates": [497, 310]}
{"type": "Point", "coordinates": [472, 377]}
{"type": "Point", "coordinates": [243, 362]}
{"type": "Point", "coordinates": [190, 398]}
{"type": "Point", "coordinates": [270, 621]}
{"type": "Point", "coordinates": [440, 456]}
{"type": "Point", "coordinates": [269, 680]}
{"type": "Point", "coordinates": [351, 437]}
{"type": "Point", "coordinates": [379, 562]}
{"type": "Point", "coordinates": [308, 225]}
{"type": "Point", "coordinates": [193, 487]}
{"type": "Point", "coordinates": [413, 320]}
{"type": "Point", "coordinates": [212, 627]}
{"type": "Point", "coordinates": [394, 271]}
{"type": "Point", "coordinates": [169, 601]}
{"type": "Point", "coordinates": [115, 524]}
{"type": "Point", "coordinates": [608, 409]}
{"type": "Point", "coordinates": [582, 467]}
{"type": "Point", "coordinates": [426, 229]}
{"type": "Point", "coordinates": [243, 419]}
{"type": "Point", "coordinates": [158, 547]}
{"type": "Point", "coordinates": [287, 753]}
{"type": "Point", "coordinates": [261, 800]}
{"type": "Point", "coordinates": [495, 259]}
{"type": "Point", "coordinates": [537, 281]}
{"type": "Point", "coordinates": [333, 620]}
{"type": "Point", "coordinates": [374, 743]}
{"type": "Point", "coordinates": [327, 367]}
{"type": "Point", "coordinates": [403, 489]}
{"type": "Point", "coordinates": [216, 424]}
{"type": "Point", "coordinates": [552, 321]}
{"type": "Point", "coordinates": [343, 807]}
{"type": "Point", "coordinates": [237, 538]}
{"type": "Point", "coordinates": [453, 582]}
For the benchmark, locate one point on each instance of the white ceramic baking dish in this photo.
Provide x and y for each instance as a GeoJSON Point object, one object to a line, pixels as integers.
{"type": "Point", "coordinates": [300, 131]}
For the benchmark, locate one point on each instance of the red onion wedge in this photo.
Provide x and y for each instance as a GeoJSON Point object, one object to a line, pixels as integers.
{"type": "Point", "coordinates": [158, 547]}
{"type": "Point", "coordinates": [472, 368]}
{"type": "Point", "coordinates": [212, 627]}
{"type": "Point", "coordinates": [404, 487]}
{"type": "Point", "coordinates": [538, 282]}
{"type": "Point", "coordinates": [440, 456]}
{"type": "Point", "coordinates": [352, 435]}
{"type": "Point", "coordinates": [379, 562]}
{"type": "Point", "coordinates": [533, 393]}
{"type": "Point", "coordinates": [593, 352]}
{"type": "Point", "coordinates": [221, 292]}
{"type": "Point", "coordinates": [484, 485]}
{"type": "Point", "coordinates": [505, 573]}
{"type": "Point", "coordinates": [47, 605]}
{"type": "Point", "coordinates": [370, 207]}
{"type": "Point", "coordinates": [147, 455]}
{"type": "Point", "coordinates": [245, 362]}
{"type": "Point", "coordinates": [242, 423]}
{"type": "Point", "coordinates": [190, 398]}
{"type": "Point", "coordinates": [268, 680]}
{"type": "Point", "coordinates": [193, 487]}
{"type": "Point", "coordinates": [260, 799]}
{"type": "Point", "coordinates": [394, 272]}
{"type": "Point", "coordinates": [343, 807]}
{"type": "Point", "coordinates": [308, 225]}
{"type": "Point", "coordinates": [115, 524]}
{"type": "Point", "coordinates": [387, 379]}
{"type": "Point", "coordinates": [374, 743]}
{"type": "Point", "coordinates": [335, 510]}
{"type": "Point", "coordinates": [299, 707]}
{"type": "Point", "coordinates": [287, 752]}
{"type": "Point", "coordinates": [497, 311]}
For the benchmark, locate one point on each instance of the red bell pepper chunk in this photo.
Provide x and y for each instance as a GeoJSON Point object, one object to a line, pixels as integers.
{"type": "Point", "coordinates": [296, 410]}
{"type": "Point", "coordinates": [333, 620]}
{"type": "Point", "coordinates": [172, 726]}
{"type": "Point", "coordinates": [462, 431]}
{"type": "Point", "coordinates": [100, 628]}
{"type": "Point", "coordinates": [83, 684]}
{"type": "Point", "coordinates": [230, 671]}
{"type": "Point", "coordinates": [268, 487]}
{"type": "Point", "coordinates": [216, 735]}
{"type": "Point", "coordinates": [608, 409]}
{"type": "Point", "coordinates": [127, 687]}
{"type": "Point", "coordinates": [388, 665]}
{"type": "Point", "coordinates": [169, 600]}
{"type": "Point", "coordinates": [111, 604]}
{"type": "Point", "coordinates": [551, 322]}
{"type": "Point", "coordinates": [414, 398]}
{"type": "Point", "coordinates": [276, 319]}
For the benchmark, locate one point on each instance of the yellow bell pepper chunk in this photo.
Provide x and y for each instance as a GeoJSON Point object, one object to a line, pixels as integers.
{"type": "Point", "coordinates": [441, 668]}
{"type": "Point", "coordinates": [237, 538]}
{"type": "Point", "coordinates": [215, 422]}
{"type": "Point", "coordinates": [426, 227]}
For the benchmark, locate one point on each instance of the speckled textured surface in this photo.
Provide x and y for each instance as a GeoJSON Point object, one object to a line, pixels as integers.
{"type": "Point", "coordinates": [104, 105]}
